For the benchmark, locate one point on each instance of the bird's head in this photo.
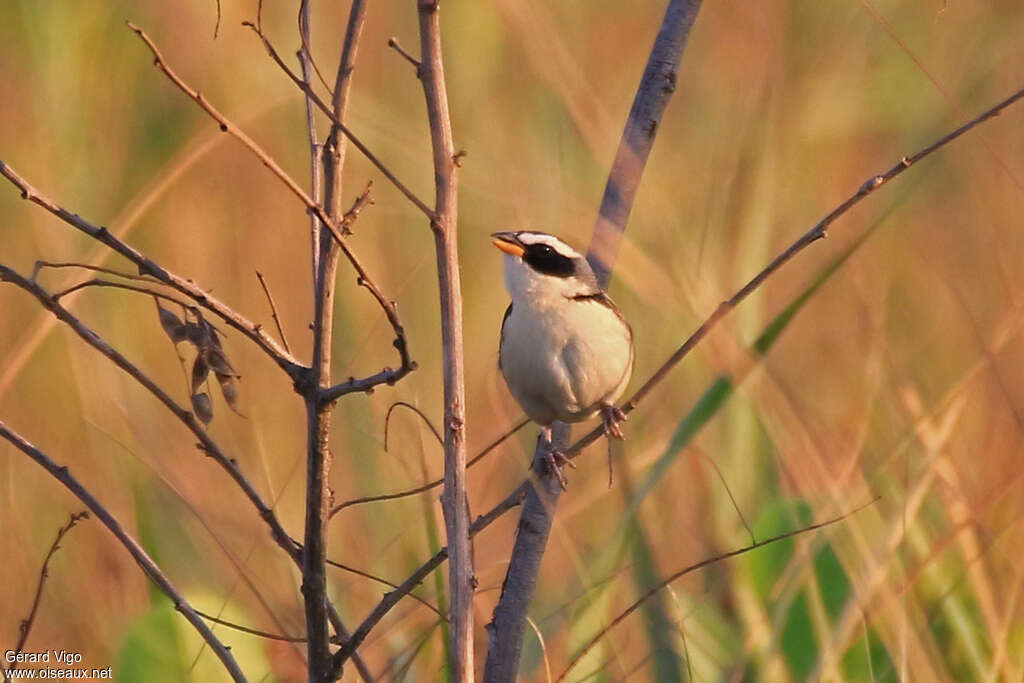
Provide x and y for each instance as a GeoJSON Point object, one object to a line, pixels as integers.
{"type": "Point", "coordinates": [540, 267]}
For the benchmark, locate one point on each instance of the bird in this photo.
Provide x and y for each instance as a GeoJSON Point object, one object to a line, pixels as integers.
{"type": "Point", "coordinates": [566, 351]}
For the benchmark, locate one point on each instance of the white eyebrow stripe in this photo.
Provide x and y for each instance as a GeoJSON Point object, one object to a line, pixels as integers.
{"type": "Point", "coordinates": [528, 237]}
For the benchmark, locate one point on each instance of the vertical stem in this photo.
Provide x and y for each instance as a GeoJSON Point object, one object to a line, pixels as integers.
{"type": "Point", "coordinates": [462, 582]}
{"type": "Point", "coordinates": [507, 626]}
{"type": "Point", "coordinates": [318, 413]}
{"type": "Point", "coordinates": [657, 85]}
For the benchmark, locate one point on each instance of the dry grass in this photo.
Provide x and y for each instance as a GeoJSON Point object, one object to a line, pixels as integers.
{"type": "Point", "coordinates": [900, 377]}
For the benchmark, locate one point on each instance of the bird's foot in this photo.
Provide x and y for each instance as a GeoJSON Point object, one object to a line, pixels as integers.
{"type": "Point", "coordinates": [611, 417]}
{"type": "Point", "coordinates": [555, 461]}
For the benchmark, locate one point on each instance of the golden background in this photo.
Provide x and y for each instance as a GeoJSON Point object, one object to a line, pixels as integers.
{"type": "Point", "coordinates": [900, 377]}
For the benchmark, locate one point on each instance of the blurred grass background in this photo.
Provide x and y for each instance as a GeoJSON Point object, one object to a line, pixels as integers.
{"type": "Point", "coordinates": [899, 376]}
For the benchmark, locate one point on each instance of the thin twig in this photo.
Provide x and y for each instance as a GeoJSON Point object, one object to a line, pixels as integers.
{"type": "Point", "coordinates": [384, 582]}
{"type": "Point", "coordinates": [230, 128]}
{"type": "Point", "coordinates": [387, 375]}
{"type": "Point", "coordinates": [25, 627]}
{"type": "Point", "coordinates": [431, 485]}
{"type": "Point", "coordinates": [409, 194]}
{"type": "Point", "coordinates": [423, 416]}
{"type": "Point", "coordinates": [148, 566]}
{"type": "Point", "coordinates": [150, 268]}
{"type": "Point", "coordinates": [394, 45]}
{"type": "Point", "coordinates": [316, 179]}
{"type": "Point", "coordinates": [304, 30]}
{"type": "Point", "coordinates": [249, 630]}
{"type": "Point", "coordinates": [694, 567]}
{"type": "Point", "coordinates": [515, 498]}
{"type": "Point", "coordinates": [87, 266]}
{"type": "Point", "coordinates": [100, 282]}
{"type": "Point", "coordinates": [273, 311]}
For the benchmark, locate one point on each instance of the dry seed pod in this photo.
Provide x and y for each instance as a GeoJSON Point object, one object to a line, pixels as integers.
{"type": "Point", "coordinates": [194, 333]}
{"type": "Point", "coordinates": [211, 334]}
{"type": "Point", "coordinates": [217, 360]}
{"type": "Point", "coordinates": [203, 407]}
{"type": "Point", "coordinates": [172, 324]}
{"type": "Point", "coordinates": [199, 372]}
{"type": "Point", "coordinates": [229, 388]}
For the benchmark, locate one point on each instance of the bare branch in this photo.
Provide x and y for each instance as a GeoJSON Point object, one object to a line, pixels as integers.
{"type": "Point", "coordinates": [387, 376]}
{"type": "Point", "coordinates": [409, 194]}
{"type": "Point", "coordinates": [150, 268]}
{"type": "Point", "coordinates": [444, 224]}
{"type": "Point", "coordinates": [318, 415]}
{"type": "Point", "coordinates": [273, 311]}
{"type": "Point", "coordinates": [227, 126]}
{"type": "Point", "coordinates": [148, 566]}
{"type": "Point", "coordinates": [694, 567]}
{"type": "Point", "coordinates": [25, 627]}
{"type": "Point", "coordinates": [394, 45]}
{"type": "Point", "coordinates": [336, 229]}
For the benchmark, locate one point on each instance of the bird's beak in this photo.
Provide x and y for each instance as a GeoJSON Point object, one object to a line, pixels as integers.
{"type": "Point", "coordinates": [507, 242]}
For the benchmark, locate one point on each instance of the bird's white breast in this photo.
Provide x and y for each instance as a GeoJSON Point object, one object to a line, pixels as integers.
{"type": "Point", "coordinates": [562, 358]}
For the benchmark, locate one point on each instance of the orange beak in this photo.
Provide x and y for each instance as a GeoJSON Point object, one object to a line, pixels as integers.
{"type": "Point", "coordinates": [507, 242]}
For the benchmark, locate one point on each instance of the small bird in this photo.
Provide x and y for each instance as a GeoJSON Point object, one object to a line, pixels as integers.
{"type": "Point", "coordinates": [566, 352]}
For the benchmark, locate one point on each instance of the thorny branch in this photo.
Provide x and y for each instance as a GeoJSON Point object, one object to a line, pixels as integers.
{"type": "Point", "coordinates": [145, 562]}
{"type": "Point", "coordinates": [515, 498]}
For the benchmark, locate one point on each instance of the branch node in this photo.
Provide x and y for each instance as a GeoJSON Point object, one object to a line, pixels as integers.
{"type": "Point", "coordinates": [458, 157]}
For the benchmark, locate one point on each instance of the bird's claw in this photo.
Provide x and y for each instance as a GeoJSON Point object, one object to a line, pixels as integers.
{"type": "Point", "coordinates": [611, 416]}
{"type": "Point", "coordinates": [554, 461]}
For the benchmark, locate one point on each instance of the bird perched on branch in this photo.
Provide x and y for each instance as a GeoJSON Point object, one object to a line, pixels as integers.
{"type": "Point", "coordinates": [566, 351]}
